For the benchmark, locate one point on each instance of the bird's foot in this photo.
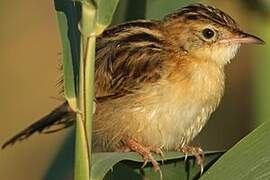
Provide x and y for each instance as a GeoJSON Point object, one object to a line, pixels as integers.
{"type": "Point", "coordinates": [156, 150]}
{"type": "Point", "coordinates": [132, 144]}
{"type": "Point", "coordinates": [195, 151]}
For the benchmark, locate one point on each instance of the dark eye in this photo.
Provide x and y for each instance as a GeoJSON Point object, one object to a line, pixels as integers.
{"type": "Point", "coordinates": [208, 33]}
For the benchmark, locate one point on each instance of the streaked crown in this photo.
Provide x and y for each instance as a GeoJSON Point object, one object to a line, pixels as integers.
{"type": "Point", "coordinates": [201, 11]}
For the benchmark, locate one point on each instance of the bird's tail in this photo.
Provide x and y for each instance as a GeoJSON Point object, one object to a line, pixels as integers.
{"type": "Point", "coordinates": [60, 118]}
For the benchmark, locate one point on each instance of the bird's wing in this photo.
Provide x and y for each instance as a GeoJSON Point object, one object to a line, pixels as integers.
{"type": "Point", "coordinates": [128, 56]}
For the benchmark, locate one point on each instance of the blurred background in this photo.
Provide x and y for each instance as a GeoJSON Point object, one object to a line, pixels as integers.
{"type": "Point", "coordinates": [30, 56]}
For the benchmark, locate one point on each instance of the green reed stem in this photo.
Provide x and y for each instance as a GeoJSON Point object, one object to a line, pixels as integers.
{"type": "Point", "coordinates": [86, 93]}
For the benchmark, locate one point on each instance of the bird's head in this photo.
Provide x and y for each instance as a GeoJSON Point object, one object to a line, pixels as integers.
{"type": "Point", "coordinates": [207, 33]}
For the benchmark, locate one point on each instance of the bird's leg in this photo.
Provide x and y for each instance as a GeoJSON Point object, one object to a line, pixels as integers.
{"type": "Point", "coordinates": [195, 151]}
{"type": "Point", "coordinates": [145, 152]}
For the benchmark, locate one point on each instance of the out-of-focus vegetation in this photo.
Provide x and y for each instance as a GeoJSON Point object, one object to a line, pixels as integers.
{"type": "Point", "coordinates": [29, 47]}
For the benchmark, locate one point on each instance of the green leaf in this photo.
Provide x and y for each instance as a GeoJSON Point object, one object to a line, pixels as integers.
{"type": "Point", "coordinates": [105, 10]}
{"type": "Point", "coordinates": [67, 14]}
{"type": "Point", "coordinates": [248, 159]}
{"type": "Point", "coordinates": [120, 165]}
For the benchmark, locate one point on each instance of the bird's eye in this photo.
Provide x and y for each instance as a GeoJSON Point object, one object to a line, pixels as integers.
{"type": "Point", "coordinates": [208, 33]}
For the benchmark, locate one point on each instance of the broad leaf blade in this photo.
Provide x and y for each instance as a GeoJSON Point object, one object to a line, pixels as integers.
{"type": "Point", "coordinates": [67, 13]}
{"type": "Point", "coordinates": [120, 165]}
{"type": "Point", "coordinates": [105, 10]}
{"type": "Point", "coordinates": [248, 159]}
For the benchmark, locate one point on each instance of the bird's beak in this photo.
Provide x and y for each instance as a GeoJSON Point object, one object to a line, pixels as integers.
{"type": "Point", "coordinates": [243, 38]}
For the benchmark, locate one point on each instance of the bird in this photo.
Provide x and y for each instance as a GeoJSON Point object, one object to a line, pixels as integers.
{"type": "Point", "coordinates": [156, 82]}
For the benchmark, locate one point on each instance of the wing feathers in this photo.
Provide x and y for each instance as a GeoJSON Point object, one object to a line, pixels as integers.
{"type": "Point", "coordinates": [130, 57]}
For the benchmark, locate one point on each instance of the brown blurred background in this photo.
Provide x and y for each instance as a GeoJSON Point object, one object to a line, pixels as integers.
{"type": "Point", "coordinates": [30, 54]}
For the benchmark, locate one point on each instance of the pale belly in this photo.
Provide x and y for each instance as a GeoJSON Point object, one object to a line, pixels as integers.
{"type": "Point", "coordinates": [164, 118]}
{"type": "Point", "coordinates": [173, 123]}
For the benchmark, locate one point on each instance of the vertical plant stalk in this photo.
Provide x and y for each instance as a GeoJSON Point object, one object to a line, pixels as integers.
{"type": "Point", "coordinates": [82, 163]}
{"type": "Point", "coordinates": [86, 93]}
{"type": "Point", "coordinates": [78, 64]}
